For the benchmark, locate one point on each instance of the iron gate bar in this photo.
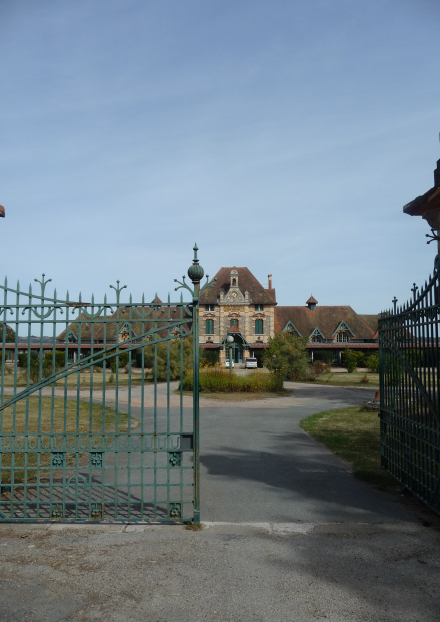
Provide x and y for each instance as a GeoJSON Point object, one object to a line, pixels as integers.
{"type": "Point", "coordinates": [93, 462]}
{"type": "Point", "coordinates": [410, 392]}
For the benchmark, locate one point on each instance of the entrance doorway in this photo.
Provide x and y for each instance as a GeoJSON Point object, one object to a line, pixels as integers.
{"type": "Point", "coordinates": [237, 354]}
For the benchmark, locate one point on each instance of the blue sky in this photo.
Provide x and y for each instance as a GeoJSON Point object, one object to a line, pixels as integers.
{"type": "Point", "coordinates": [281, 136]}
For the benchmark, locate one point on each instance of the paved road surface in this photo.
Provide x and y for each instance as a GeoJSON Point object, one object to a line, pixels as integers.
{"type": "Point", "coordinates": [289, 536]}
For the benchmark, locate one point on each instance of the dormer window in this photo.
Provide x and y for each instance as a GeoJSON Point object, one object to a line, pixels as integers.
{"type": "Point", "coordinates": [343, 333]}
{"type": "Point", "coordinates": [258, 307]}
{"type": "Point", "coordinates": [125, 331]}
{"type": "Point", "coordinates": [209, 307]}
{"type": "Point", "coordinates": [71, 338]}
{"type": "Point", "coordinates": [291, 329]}
{"type": "Point", "coordinates": [316, 336]}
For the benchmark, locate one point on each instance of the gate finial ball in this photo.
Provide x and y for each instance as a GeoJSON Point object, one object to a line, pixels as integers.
{"type": "Point", "coordinates": [195, 272]}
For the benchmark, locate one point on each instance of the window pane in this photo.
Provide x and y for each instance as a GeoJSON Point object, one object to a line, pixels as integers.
{"type": "Point", "coordinates": [209, 327]}
{"type": "Point", "coordinates": [258, 327]}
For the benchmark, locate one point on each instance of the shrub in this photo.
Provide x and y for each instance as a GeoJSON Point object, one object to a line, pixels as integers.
{"type": "Point", "coordinates": [161, 350]}
{"type": "Point", "coordinates": [288, 355]}
{"type": "Point", "coordinates": [23, 358]}
{"type": "Point", "coordinates": [208, 357]}
{"type": "Point", "coordinates": [349, 360]}
{"type": "Point", "coordinates": [324, 356]}
{"type": "Point", "coordinates": [318, 368]}
{"type": "Point", "coordinates": [110, 360]}
{"type": "Point", "coordinates": [372, 363]}
{"type": "Point", "coordinates": [217, 380]}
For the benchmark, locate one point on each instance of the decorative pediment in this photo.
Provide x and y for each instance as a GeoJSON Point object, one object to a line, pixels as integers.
{"type": "Point", "coordinates": [291, 328]}
{"type": "Point", "coordinates": [234, 295]}
{"type": "Point", "coordinates": [342, 326]}
{"type": "Point", "coordinates": [126, 332]}
{"type": "Point", "coordinates": [316, 333]}
{"type": "Point", "coordinates": [71, 337]}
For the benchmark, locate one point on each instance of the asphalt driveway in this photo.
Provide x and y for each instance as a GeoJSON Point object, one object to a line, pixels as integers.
{"type": "Point", "coordinates": [289, 535]}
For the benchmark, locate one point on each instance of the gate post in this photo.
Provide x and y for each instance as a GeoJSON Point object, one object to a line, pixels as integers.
{"type": "Point", "coordinates": [195, 273]}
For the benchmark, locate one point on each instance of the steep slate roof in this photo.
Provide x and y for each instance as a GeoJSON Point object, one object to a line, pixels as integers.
{"type": "Point", "coordinates": [86, 329]}
{"type": "Point", "coordinates": [326, 319]}
{"type": "Point", "coordinates": [371, 320]}
{"type": "Point", "coordinates": [311, 300]}
{"type": "Point", "coordinates": [246, 283]}
{"type": "Point", "coordinates": [136, 325]}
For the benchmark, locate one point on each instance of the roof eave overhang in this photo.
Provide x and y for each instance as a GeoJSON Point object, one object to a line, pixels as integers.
{"type": "Point", "coordinates": [425, 203]}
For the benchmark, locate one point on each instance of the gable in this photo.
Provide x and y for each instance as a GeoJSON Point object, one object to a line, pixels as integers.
{"type": "Point", "coordinates": [342, 326]}
{"type": "Point", "coordinates": [316, 333]}
{"type": "Point", "coordinates": [246, 282]}
{"type": "Point", "coordinates": [291, 328]}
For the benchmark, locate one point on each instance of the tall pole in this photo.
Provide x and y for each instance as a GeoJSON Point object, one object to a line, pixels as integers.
{"type": "Point", "coordinates": [230, 359]}
{"type": "Point", "coordinates": [195, 273]}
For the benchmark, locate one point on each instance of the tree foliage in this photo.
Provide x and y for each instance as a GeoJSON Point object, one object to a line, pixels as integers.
{"type": "Point", "coordinates": [287, 354]}
{"type": "Point", "coordinates": [110, 360]}
{"type": "Point", "coordinates": [352, 360]}
{"type": "Point", "coordinates": [10, 334]}
{"type": "Point", "coordinates": [372, 362]}
{"type": "Point", "coordinates": [156, 354]}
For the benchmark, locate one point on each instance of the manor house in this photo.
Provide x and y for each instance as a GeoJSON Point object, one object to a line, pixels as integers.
{"type": "Point", "coordinates": [239, 305]}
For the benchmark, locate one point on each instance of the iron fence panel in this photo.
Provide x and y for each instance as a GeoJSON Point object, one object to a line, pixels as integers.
{"type": "Point", "coordinates": [409, 392]}
{"type": "Point", "coordinates": [92, 427]}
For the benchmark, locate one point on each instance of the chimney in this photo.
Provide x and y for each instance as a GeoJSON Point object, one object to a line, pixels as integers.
{"type": "Point", "coordinates": [437, 175]}
{"type": "Point", "coordinates": [269, 276]}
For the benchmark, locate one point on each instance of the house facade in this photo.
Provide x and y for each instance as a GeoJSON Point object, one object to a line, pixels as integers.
{"type": "Point", "coordinates": [240, 306]}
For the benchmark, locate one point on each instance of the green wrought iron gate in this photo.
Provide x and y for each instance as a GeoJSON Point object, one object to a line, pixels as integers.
{"type": "Point", "coordinates": [87, 429]}
{"type": "Point", "coordinates": [409, 392]}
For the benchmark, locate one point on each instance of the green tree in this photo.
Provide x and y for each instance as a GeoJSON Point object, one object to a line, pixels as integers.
{"type": "Point", "coordinates": [162, 357]}
{"type": "Point", "coordinates": [372, 363]}
{"type": "Point", "coordinates": [10, 334]}
{"type": "Point", "coordinates": [110, 360]}
{"type": "Point", "coordinates": [349, 360]}
{"type": "Point", "coordinates": [287, 354]}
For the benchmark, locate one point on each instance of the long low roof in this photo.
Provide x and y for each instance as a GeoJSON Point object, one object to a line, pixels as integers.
{"type": "Point", "coordinates": [326, 320]}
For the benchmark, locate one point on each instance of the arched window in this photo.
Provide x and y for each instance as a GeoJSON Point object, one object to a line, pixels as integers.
{"type": "Point", "coordinates": [342, 337]}
{"type": "Point", "coordinates": [234, 282]}
{"type": "Point", "coordinates": [209, 330]}
{"type": "Point", "coordinates": [259, 327]}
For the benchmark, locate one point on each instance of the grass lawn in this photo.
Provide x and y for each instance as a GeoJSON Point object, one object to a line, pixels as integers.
{"type": "Point", "coordinates": [354, 435]}
{"type": "Point", "coordinates": [84, 379]}
{"type": "Point", "coordinates": [76, 417]}
{"type": "Point", "coordinates": [345, 379]}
